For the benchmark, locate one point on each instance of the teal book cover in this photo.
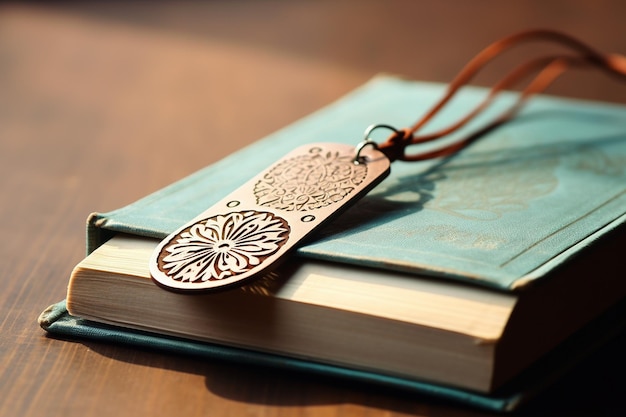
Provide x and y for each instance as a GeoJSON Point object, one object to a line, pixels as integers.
{"type": "Point", "coordinates": [502, 214]}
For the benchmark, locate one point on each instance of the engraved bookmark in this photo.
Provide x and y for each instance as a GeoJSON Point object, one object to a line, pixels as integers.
{"type": "Point", "coordinates": [250, 231]}
{"type": "Point", "coordinates": [244, 234]}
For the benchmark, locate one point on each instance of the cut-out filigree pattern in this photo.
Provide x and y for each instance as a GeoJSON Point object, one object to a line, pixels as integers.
{"type": "Point", "coordinates": [223, 246]}
{"type": "Point", "coordinates": [309, 181]}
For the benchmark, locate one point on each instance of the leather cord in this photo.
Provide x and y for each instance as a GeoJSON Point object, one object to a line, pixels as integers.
{"type": "Point", "coordinates": [546, 69]}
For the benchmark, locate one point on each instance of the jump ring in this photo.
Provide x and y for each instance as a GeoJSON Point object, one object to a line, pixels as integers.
{"type": "Point", "coordinates": [359, 148]}
{"type": "Point", "coordinates": [371, 128]}
{"type": "Point", "coordinates": [369, 142]}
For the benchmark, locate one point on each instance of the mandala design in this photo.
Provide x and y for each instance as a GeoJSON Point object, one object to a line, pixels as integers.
{"type": "Point", "coordinates": [309, 181]}
{"type": "Point", "coordinates": [223, 246]}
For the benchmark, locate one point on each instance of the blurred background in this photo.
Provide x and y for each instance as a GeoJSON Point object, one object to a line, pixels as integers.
{"type": "Point", "coordinates": [201, 79]}
{"type": "Point", "coordinates": [220, 71]}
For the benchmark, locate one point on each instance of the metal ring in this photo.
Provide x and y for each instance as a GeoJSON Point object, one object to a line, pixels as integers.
{"type": "Point", "coordinates": [359, 148]}
{"type": "Point", "coordinates": [369, 142]}
{"type": "Point", "coordinates": [371, 128]}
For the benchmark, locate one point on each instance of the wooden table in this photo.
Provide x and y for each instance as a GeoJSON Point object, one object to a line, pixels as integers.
{"type": "Point", "coordinates": [101, 104]}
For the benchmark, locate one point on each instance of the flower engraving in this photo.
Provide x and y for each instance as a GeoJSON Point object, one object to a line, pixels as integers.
{"type": "Point", "coordinates": [309, 181]}
{"type": "Point", "coordinates": [223, 246]}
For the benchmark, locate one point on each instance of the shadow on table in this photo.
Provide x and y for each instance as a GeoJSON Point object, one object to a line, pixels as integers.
{"type": "Point", "coordinates": [593, 388]}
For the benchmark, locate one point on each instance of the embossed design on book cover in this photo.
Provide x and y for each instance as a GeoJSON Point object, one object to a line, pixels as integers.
{"type": "Point", "coordinates": [223, 246]}
{"type": "Point", "coordinates": [501, 183]}
{"type": "Point", "coordinates": [310, 181]}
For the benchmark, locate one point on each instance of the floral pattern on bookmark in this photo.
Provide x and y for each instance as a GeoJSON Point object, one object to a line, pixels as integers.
{"type": "Point", "coordinates": [223, 246]}
{"type": "Point", "coordinates": [310, 181]}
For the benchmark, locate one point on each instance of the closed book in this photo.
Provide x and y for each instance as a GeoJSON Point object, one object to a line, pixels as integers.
{"type": "Point", "coordinates": [453, 276]}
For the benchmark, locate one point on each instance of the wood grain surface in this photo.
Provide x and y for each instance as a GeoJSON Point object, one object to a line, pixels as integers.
{"type": "Point", "coordinates": [102, 103]}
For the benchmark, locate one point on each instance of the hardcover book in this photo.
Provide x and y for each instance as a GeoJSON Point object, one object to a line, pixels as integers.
{"type": "Point", "coordinates": [457, 277]}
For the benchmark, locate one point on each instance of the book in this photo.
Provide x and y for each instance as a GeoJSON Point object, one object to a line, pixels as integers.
{"type": "Point", "coordinates": [457, 274]}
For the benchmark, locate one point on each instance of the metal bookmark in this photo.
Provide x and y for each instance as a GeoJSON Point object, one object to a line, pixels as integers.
{"type": "Point", "coordinates": [249, 232]}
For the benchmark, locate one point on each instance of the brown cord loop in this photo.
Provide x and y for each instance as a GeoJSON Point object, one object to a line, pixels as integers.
{"type": "Point", "coordinates": [395, 145]}
{"type": "Point", "coordinates": [547, 70]}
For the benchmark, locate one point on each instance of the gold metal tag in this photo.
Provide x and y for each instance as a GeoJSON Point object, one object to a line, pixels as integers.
{"type": "Point", "coordinates": [247, 233]}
